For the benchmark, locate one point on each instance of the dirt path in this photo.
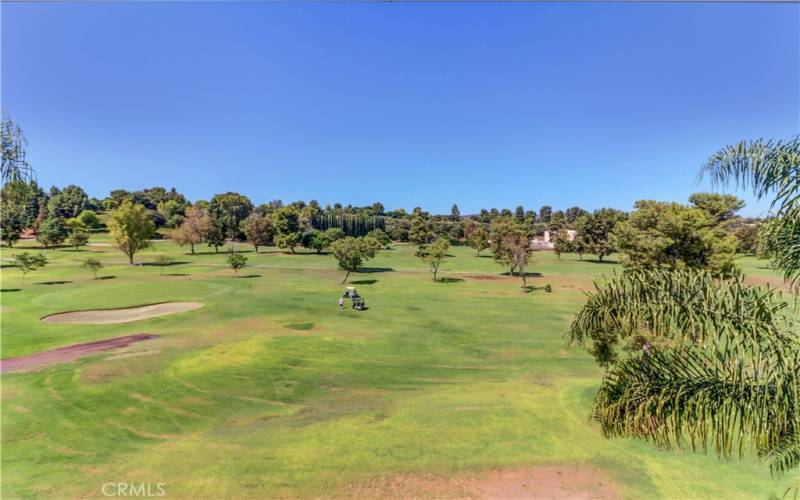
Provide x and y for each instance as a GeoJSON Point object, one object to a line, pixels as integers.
{"type": "Point", "coordinates": [108, 316]}
{"type": "Point", "coordinates": [538, 482]}
{"type": "Point", "coordinates": [70, 352]}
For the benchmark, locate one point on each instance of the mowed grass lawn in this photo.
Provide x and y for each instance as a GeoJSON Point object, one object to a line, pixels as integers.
{"type": "Point", "coordinates": [271, 391]}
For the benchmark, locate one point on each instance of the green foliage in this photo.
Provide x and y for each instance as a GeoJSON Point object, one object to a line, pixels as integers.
{"type": "Point", "coordinates": [561, 242]}
{"type": "Point", "coordinates": [595, 231]}
{"type": "Point", "coordinates": [720, 207]}
{"type": "Point", "coordinates": [236, 261]}
{"type": "Point", "coordinates": [78, 237]}
{"type": "Point", "coordinates": [214, 232]}
{"type": "Point", "coordinates": [93, 265]}
{"type": "Point", "coordinates": [27, 263]}
{"type": "Point", "coordinates": [380, 236]}
{"type": "Point", "coordinates": [89, 219]}
{"type": "Point", "coordinates": [12, 223]}
{"type": "Point", "coordinates": [434, 255]}
{"type": "Point", "coordinates": [230, 209]}
{"type": "Point", "coordinates": [52, 232]}
{"type": "Point", "coordinates": [770, 168]}
{"type": "Point", "coordinates": [131, 228]}
{"type": "Point", "coordinates": [257, 228]}
{"type": "Point", "coordinates": [420, 232]}
{"type": "Point", "coordinates": [478, 238]}
{"type": "Point", "coordinates": [286, 221]}
{"type": "Point", "coordinates": [351, 252]}
{"type": "Point", "coordinates": [316, 240]}
{"type": "Point", "coordinates": [659, 234]}
{"type": "Point", "coordinates": [693, 358]}
{"type": "Point", "coordinates": [747, 236]}
{"type": "Point", "coordinates": [334, 233]}
{"type": "Point", "coordinates": [68, 202]}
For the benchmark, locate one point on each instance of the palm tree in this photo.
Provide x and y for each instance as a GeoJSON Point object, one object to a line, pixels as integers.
{"type": "Point", "coordinates": [14, 167]}
{"type": "Point", "coordinates": [769, 168]}
{"type": "Point", "coordinates": [695, 361]}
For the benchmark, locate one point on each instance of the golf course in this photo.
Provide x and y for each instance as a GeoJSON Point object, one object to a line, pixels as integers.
{"type": "Point", "coordinates": [258, 384]}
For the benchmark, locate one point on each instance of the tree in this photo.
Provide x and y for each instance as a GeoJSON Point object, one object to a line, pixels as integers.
{"type": "Point", "coordinates": [720, 207]}
{"type": "Point", "coordinates": [572, 214]}
{"type": "Point", "coordinates": [193, 229]}
{"type": "Point", "coordinates": [131, 228]}
{"type": "Point", "coordinates": [236, 261]}
{"type": "Point", "coordinates": [691, 359]}
{"type": "Point", "coordinates": [15, 166]}
{"type": "Point", "coordinates": [434, 255]}
{"type": "Point", "coordinates": [89, 219]}
{"type": "Point", "coordinates": [351, 252]}
{"type": "Point", "coordinates": [695, 358]}
{"type": "Point", "coordinates": [78, 234]}
{"type": "Point", "coordinates": [595, 230]}
{"type": "Point", "coordinates": [517, 249]}
{"type": "Point", "coordinates": [316, 240]}
{"type": "Point", "coordinates": [519, 214]}
{"type": "Point", "coordinates": [214, 233]}
{"type": "Point", "coordinates": [544, 214]}
{"type": "Point", "coordinates": [561, 242]}
{"type": "Point", "coordinates": [68, 202]}
{"type": "Point", "coordinates": [12, 223]}
{"type": "Point", "coordinates": [747, 236]}
{"type": "Point", "coordinates": [257, 229]}
{"type": "Point", "coordinates": [770, 168]}
{"type": "Point", "coordinates": [380, 236]}
{"type": "Point", "coordinates": [479, 240]}
{"type": "Point", "coordinates": [334, 233]}
{"type": "Point", "coordinates": [503, 233]}
{"type": "Point", "coordinates": [162, 261]}
{"type": "Point", "coordinates": [660, 234]}
{"type": "Point", "coordinates": [52, 232]}
{"type": "Point", "coordinates": [28, 262]}
{"type": "Point", "coordinates": [420, 232]}
{"type": "Point", "coordinates": [286, 222]}
{"type": "Point", "coordinates": [93, 265]}
{"type": "Point", "coordinates": [230, 208]}
{"type": "Point", "coordinates": [455, 213]}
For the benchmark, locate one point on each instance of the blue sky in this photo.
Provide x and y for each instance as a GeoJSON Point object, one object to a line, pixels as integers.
{"type": "Point", "coordinates": [485, 105]}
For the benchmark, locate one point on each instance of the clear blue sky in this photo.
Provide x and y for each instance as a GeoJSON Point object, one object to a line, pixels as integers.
{"type": "Point", "coordinates": [486, 105]}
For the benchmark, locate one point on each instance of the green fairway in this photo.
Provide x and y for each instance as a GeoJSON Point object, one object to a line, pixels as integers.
{"type": "Point", "coordinates": [270, 390]}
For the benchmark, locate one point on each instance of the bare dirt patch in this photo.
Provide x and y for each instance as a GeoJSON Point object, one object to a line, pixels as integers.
{"type": "Point", "coordinates": [70, 353]}
{"type": "Point", "coordinates": [540, 482]}
{"type": "Point", "coordinates": [109, 316]}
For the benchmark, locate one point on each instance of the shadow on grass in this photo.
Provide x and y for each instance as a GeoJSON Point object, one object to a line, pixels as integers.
{"type": "Point", "coordinates": [176, 274]}
{"type": "Point", "coordinates": [52, 283]}
{"type": "Point", "coordinates": [169, 264]}
{"type": "Point", "coordinates": [519, 275]}
{"type": "Point", "coordinates": [110, 277]}
{"type": "Point", "coordinates": [598, 261]}
{"type": "Point", "coordinates": [250, 276]}
{"type": "Point", "coordinates": [364, 282]}
{"type": "Point", "coordinates": [300, 326]}
{"type": "Point", "coordinates": [6, 266]}
{"type": "Point", "coordinates": [5, 290]}
{"type": "Point", "coordinates": [376, 270]}
{"type": "Point", "coordinates": [450, 280]}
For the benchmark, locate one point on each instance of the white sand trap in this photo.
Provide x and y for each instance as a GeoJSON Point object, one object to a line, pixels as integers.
{"type": "Point", "coordinates": [109, 316]}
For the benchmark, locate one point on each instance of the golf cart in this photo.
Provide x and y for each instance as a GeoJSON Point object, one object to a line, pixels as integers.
{"type": "Point", "coordinates": [357, 300]}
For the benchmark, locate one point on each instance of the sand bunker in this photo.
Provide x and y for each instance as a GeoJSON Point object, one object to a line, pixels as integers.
{"type": "Point", "coordinates": [539, 482]}
{"type": "Point", "coordinates": [108, 316]}
{"type": "Point", "coordinates": [70, 352]}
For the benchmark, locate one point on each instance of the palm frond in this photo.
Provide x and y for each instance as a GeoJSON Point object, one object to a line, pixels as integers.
{"type": "Point", "coordinates": [691, 397]}
{"type": "Point", "coordinates": [786, 455]}
{"type": "Point", "coordinates": [770, 168]}
{"type": "Point", "coordinates": [684, 306]}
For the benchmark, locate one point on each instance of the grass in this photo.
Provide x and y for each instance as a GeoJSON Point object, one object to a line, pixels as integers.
{"type": "Point", "coordinates": [270, 390]}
